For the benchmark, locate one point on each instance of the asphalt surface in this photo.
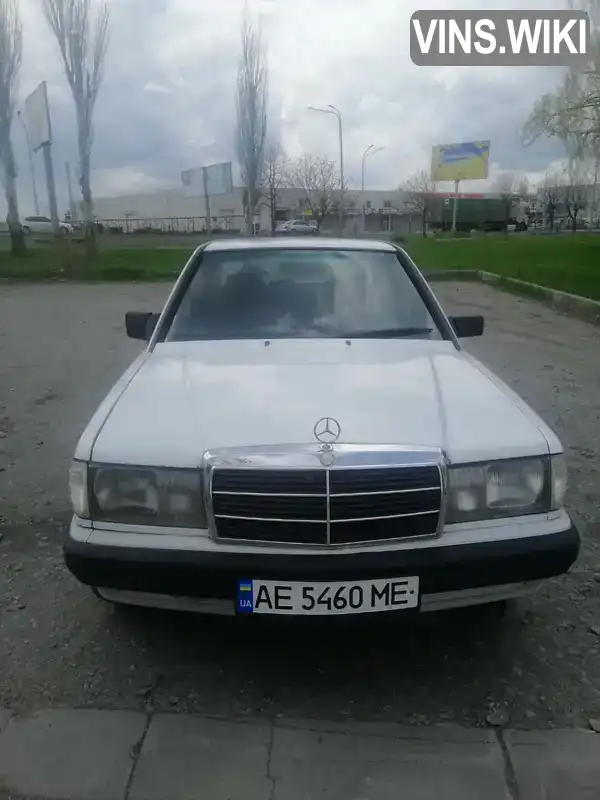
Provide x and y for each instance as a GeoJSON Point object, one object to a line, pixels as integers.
{"type": "Point", "coordinates": [61, 348]}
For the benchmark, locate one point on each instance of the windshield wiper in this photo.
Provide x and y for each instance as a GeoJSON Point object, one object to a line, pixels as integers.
{"type": "Point", "coordinates": [387, 333]}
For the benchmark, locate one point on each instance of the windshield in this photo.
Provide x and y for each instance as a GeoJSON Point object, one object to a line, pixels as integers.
{"type": "Point", "coordinates": [301, 293]}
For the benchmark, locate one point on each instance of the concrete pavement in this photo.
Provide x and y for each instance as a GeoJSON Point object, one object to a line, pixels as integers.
{"type": "Point", "coordinates": [71, 754]}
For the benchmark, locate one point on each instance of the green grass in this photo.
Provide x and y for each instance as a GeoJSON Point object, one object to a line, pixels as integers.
{"type": "Point", "coordinates": [66, 263]}
{"type": "Point", "coordinates": [570, 263]}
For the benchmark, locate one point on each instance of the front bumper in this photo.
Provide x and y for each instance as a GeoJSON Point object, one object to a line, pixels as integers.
{"type": "Point", "coordinates": [449, 574]}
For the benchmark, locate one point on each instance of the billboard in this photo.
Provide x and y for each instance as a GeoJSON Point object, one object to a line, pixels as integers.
{"type": "Point", "coordinates": [37, 114]}
{"type": "Point", "coordinates": [218, 177]}
{"type": "Point", "coordinates": [465, 161]}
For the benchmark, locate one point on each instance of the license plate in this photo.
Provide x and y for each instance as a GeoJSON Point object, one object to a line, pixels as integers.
{"type": "Point", "coordinates": [323, 599]}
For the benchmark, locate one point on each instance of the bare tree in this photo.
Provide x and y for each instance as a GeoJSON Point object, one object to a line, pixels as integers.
{"type": "Point", "coordinates": [11, 48]}
{"type": "Point", "coordinates": [419, 190]}
{"type": "Point", "coordinates": [273, 178]}
{"type": "Point", "coordinates": [575, 194]}
{"type": "Point", "coordinates": [319, 180]}
{"type": "Point", "coordinates": [506, 185]}
{"type": "Point", "coordinates": [591, 6]}
{"type": "Point", "coordinates": [252, 95]}
{"type": "Point", "coordinates": [82, 42]}
{"type": "Point", "coordinates": [574, 106]}
{"type": "Point", "coordinates": [523, 189]}
{"type": "Point", "coordinates": [551, 194]}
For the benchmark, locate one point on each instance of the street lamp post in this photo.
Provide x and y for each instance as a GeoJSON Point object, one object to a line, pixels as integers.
{"type": "Point", "coordinates": [31, 166]}
{"type": "Point", "coordinates": [333, 110]}
{"type": "Point", "coordinates": [370, 151]}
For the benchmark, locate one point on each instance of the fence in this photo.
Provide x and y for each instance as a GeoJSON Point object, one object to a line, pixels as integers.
{"type": "Point", "coordinates": [179, 225]}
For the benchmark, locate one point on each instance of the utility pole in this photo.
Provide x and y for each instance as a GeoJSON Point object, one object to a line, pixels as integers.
{"type": "Point", "coordinates": [51, 184]}
{"type": "Point", "coordinates": [31, 165]}
{"type": "Point", "coordinates": [207, 201]}
{"type": "Point", "coordinates": [70, 189]}
{"type": "Point", "coordinates": [38, 100]}
{"type": "Point", "coordinates": [342, 187]}
{"type": "Point", "coordinates": [333, 110]}
{"type": "Point", "coordinates": [455, 206]}
{"type": "Point", "coordinates": [368, 152]}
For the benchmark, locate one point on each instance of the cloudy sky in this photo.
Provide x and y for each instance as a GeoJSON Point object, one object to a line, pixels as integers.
{"type": "Point", "coordinates": [168, 99]}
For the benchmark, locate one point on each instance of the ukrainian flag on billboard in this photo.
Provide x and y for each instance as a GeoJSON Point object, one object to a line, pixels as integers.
{"type": "Point", "coordinates": [465, 161]}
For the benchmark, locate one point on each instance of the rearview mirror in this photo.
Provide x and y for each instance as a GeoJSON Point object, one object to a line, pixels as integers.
{"type": "Point", "coordinates": [140, 324]}
{"type": "Point", "coordinates": [466, 327]}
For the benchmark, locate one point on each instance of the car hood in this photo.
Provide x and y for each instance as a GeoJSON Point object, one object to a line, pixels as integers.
{"type": "Point", "coordinates": [185, 398]}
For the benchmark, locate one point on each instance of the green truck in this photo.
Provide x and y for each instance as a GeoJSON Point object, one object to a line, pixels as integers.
{"type": "Point", "coordinates": [484, 214]}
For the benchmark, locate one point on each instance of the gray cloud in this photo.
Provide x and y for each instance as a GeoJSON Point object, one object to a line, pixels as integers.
{"type": "Point", "coordinates": [168, 99]}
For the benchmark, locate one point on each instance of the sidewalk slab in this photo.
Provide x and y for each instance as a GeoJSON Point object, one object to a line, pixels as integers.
{"type": "Point", "coordinates": [307, 764]}
{"type": "Point", "coordinates": [187, 757]}
{"type": "Point", "coordinates": [556, 765]}
{"type": "Point", "coordinates": [69, 754]}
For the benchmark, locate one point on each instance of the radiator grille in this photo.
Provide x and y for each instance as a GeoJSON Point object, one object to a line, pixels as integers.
{"type": "Point", "coordinates": [323, 507]}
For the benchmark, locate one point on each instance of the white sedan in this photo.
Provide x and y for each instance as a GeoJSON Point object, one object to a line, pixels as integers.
{"type": "Point", "coordinates": [298, 226]}
{"type": "Point", "coordinates": [303, 434]}
{"type": "Point", "coordinates": [44, 225]}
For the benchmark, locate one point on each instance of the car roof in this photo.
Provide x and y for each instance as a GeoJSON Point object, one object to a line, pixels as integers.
{"type": "Point", "coordinates": [320, 243]}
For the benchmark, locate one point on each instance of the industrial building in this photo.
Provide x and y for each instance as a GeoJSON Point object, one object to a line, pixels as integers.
{"type": "Point", "coordinates": [372, 211]}
{"type": "Point", "coordinates": [172, 210]}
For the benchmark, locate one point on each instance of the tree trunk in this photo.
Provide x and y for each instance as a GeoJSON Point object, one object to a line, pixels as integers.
{"type": "Point", "coordinates": [17, 237]}
{"type": "Point", "coordinates": [87, 205]}
{"type": "Point", "coordinates": [249, 214]}
{"type": "Point", "coordinates": [424, 221]}
{"type": "Point", "coordinates": [273, 209]}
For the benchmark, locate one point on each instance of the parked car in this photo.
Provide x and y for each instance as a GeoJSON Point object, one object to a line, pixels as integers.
{"type": "Point", "coordinates": [303, 434]}
{"type": "Point", "coordinates": [44, 225]}
{"type": "Point", "coordinates": [298, 226]}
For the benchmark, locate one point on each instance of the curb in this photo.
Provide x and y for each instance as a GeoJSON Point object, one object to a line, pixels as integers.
{"type": "Point", "coordinates": [573, 304]}
{"type": "Point", "coordinates": [87, 754]}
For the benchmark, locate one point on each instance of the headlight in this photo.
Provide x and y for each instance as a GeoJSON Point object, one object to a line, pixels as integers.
{"type": "Point", "coordinates": [500, 489]}
{"type": "Point", "coordinates": [146, 496]}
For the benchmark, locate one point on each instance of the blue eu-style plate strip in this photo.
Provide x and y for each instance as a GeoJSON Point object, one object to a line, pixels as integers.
{"type": "Point", "coordinates": [245, 598]}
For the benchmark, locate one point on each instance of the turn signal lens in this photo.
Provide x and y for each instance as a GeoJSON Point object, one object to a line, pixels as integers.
{"type": "Point", "coordinates": [560, 481]}
{"type": "Point", "coordinates": [78, 489]}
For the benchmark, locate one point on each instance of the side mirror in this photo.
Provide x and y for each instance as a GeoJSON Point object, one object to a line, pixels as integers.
{"type": "Point", "coordinates": [140, 324]}
{"type": "Point", "coordinates": [466, 327]}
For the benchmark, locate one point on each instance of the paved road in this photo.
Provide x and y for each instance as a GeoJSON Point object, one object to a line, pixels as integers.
{"type": "Point", "coordinates": [61, 347]}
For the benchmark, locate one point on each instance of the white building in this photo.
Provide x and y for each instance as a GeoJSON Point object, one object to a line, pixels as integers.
{"type": "Point", "coordinates": [170, 209]}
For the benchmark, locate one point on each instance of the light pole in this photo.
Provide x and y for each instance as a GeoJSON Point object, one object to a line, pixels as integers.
{"type": "Point", "coordinates": [368, 152]}
{"type": "Point", "coordinates": [333, 110]}
{"type": "Point", "coordinates": [31, 166]}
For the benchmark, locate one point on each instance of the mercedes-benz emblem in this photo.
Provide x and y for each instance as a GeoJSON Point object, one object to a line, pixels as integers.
{"type": "Point", "coordinates": [327, 430]}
